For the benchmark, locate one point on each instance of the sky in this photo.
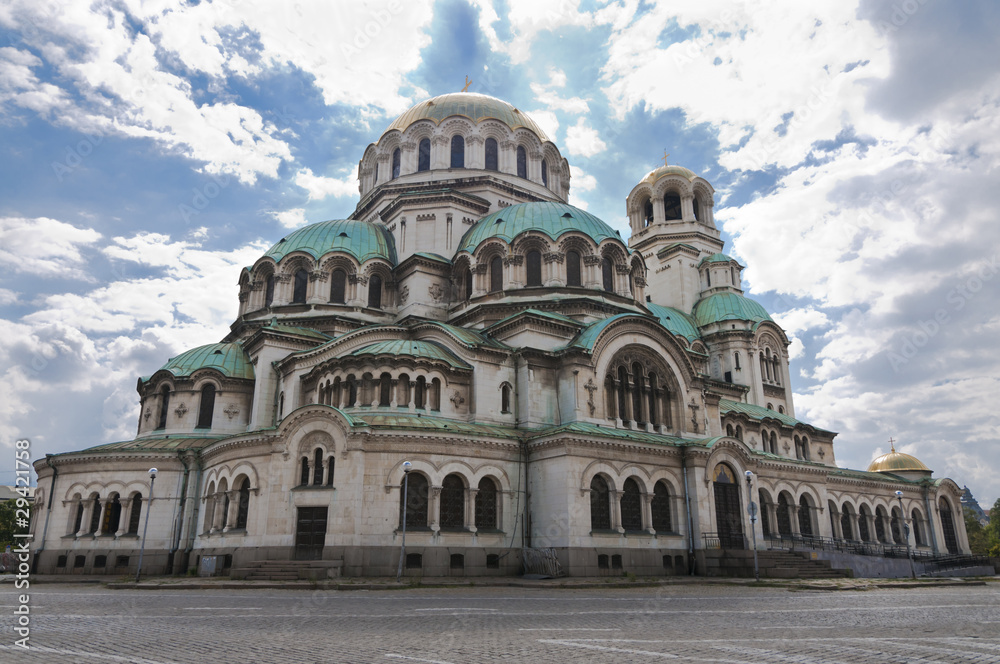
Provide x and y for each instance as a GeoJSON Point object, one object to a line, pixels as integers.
{"type": "Point", "coordinates": [152, 148]}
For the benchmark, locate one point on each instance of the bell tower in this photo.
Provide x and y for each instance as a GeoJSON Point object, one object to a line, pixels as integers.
{"type": "Point", "coordinates": [671, 215]}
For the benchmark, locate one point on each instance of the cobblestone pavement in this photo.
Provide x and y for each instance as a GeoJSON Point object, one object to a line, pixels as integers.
{"type": "Point", "coordinates": [694, 623]}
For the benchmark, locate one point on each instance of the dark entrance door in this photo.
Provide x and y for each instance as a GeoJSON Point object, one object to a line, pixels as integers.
{"type": "Point", "coordinates": [727, 509]}
{"type": "Point", "coordinates": [310, 533]}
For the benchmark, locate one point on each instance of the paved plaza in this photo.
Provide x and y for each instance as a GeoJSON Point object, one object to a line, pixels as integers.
{"type": "Point", "coordinates": [90, 624]}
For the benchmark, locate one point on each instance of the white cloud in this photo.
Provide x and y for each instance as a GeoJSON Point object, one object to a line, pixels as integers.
{"type": "Point", "coordinates": [583, 140]}
{"type": "Point", "coordinates": [113, 78]}
{"type": "Point", "coordinates": [294, 218]}
{"type": "Point", "coordinates": [582, 181]}
{"type": "Point", "coordinates": [319, 187]}
{"type": "Point", "coordinates": [554, 102]}
{"type": "Point", "coordinates": [527, 19]}
{"type": "Point", "coordinates": [44, 247]}
{"type": "Point", "coordinates": [548, 121]}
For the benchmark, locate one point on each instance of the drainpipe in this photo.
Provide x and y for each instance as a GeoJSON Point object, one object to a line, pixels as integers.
{"type": "Point", "coordinates": [930, 519]}
{"type": "Point", "coordinates": [179, 516]}
{"type": "Point", "coordinates": [48, 513]}
{"type": "Point", "coordinates": [522, 451]}
{"type": "Point", "coordinates": [277, 391]}
{"type": "Point", "coordinates": [687, 505]}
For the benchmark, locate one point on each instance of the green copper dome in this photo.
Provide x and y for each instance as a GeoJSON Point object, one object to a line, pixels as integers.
{"type": "Point", "coordinates": [471, 105]}
{"type": "Point", "coordinates": [663, 171]}
{"type": "Point", "coordinates": [426, 350]}
{"type": "Point", "coordinates": [728, 306]}
{"type": "Point", "coordinates": [553, 219]}
{"type": "Point", "coordinates": [360, 239]}
{"type": "Point", "coordinates": [715, 258]}
{"type": "Point", "coordinates": [229, 359]}
{"type": "Point", "coordinates": [676, 321]}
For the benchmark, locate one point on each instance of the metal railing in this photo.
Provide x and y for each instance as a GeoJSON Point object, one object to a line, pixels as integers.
{"type": "Point", "coordinates": [725, 541]}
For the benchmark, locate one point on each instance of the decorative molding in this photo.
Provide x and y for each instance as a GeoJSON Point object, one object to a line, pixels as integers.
{"type": "Point", "coordinates": [181, 410]}
{"type": "Point", "coordinates": [232, 410]}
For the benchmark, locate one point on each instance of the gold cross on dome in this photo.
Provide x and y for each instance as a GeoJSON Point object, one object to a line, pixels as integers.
{"type": "Point", "coordinates": [891, 446]}
{"type": "Point", "coordinates": [467, 84]}
{"type": "Point", "coordinates": [665, 155]}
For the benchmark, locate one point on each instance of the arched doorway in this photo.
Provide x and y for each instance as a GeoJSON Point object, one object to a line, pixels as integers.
{"type": "Point", "coordinates": [728, 515]}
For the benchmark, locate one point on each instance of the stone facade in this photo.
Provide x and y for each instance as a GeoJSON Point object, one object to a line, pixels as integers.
{"type": "Point", "coordinates": [553, 388]}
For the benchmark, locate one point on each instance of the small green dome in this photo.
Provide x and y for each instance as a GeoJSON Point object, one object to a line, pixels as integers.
{"type": "Point", "coordinates": [229, 359]}
{"type": "Point", "coordinates": [728, 306]}
{"type": "Point", "coordinates": [553, 219]}
{"type": "Point", "coordinates": [471, 105]}
{"type": "Point", "coordinates": [426, 350]}
{"type": "Point", "coordinates": [360, 239]}
{"type": "Point", "coordinates": [715, 258]}
{"type": "Point", "coordinates": [676, 321]}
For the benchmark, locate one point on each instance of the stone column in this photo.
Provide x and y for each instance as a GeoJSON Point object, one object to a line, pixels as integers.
{"type": "Point", "coordinates": [659, 213]}
{"type": "Point", "coordinates": [470, 509]}
{"type": "Point", "coordinates": [647, 513]}
{"type": "Point", "coordinates": [616, 509]}
{"type": "Point", "coordinates": [217, 510]}
{"type": "Point", "coordinates": [105, 504]}
{"type": "Point", "coordinates": [434, 508]}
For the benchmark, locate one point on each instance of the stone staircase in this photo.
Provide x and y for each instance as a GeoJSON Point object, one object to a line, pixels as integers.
{"type": "Point", "coordinates": [794, 565]}
{"type": "Point", "coordinates": [772, 565]}
{"type": "Point", "coordinates": [287, 570]}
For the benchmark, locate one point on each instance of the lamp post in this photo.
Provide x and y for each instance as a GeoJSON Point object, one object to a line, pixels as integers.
{"type": "Point", "coordinates": [752, 511]}
{"type": "Point", "coordinates": [149, 505]}
{"type": "Point", "coordinates": [906, 534]}
{"type": "Point", "coordinates": [407, 466]}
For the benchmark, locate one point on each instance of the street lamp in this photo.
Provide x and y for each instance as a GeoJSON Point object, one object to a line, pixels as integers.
{"type": "Point", "coordinates": [906, 533]}
{"type": "Point", "coordinates": [149, 505]}
{"type": "Point", "coordinates": [407, 467]}
{"type": "Point", "coordinates": [752, 511]}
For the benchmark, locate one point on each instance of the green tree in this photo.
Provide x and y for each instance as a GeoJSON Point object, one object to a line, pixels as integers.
{"type": "Point", "coordinates": [978, 542]}
{"type": "Point", "coordinates": [992, 531]}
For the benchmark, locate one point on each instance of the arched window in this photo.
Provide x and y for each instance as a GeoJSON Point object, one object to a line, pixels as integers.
{"type": "Point", "coordinates": [491, 155]}
{"type": "Point", "coordinates": [805, 448]}
{"type": "Point", "coordinates": [660, 508]}
{"type": "Point", "coordinates": [434, 394]}
{"type": "Point", "coordinates": [395, 163]}
{"type": "Point", "coordinates": [112, 516]}
{"type": "Point", "coordinates": [736, 359]}
{"type": "Point", "coordinates": [329, 470]}
{"type": "Point", "coordinates": [496, 274]}
{"type": "Point", "coordinates": [384, 389]}
{"type": "Point", "coordinates": [697, 208]}
{"type": "Point", "coordinates": [416, 501]}
{"type": "Point", "coordinates": [631, 506]}
{"type": "Point", "coordinates": [622, 395]}
{"type": "Point", "coordinates": [164, 407]}
{"type": "Point", "coordinates": [424, 155]}
{"type": "Point", "coordinates": [375, 175]}
{"type": "Point", "coordinates": [637, 389]}
{"type": "Point", "coordinates": [133, 515]}
{"type": "Point", "coordinates": [457, 151]}
{"type": "Point", "coordinates": [269, 290]}
{"type": "Point", "coordinates": [375, 292]}
{"type": "Point", "coordinates": [403, 391]}
{"type": "Point", "coordinates": [522, 162]}
{"type": "Point", "coordinates": [505, 398]}
{"type": "Point", "coordinates": [301, 281]}
{"type": "Point", "coordinates": [863, 517]}
{"type": "Point", "coordinates": [600, 508]}
{"type": "Point", "coordinates": [420, 393]}
{"type": "Point", "coordinates": [95, 515]}
{"type": "Point", "coordinates": [338, 286]}
{"type": "Point", "coordinates": [805, 517]}
{"type": "Point", "coordinates": [573, 276]}
{"type": "Point", "coordinates": [608, 274]}
{"type": "Point", "coordinates": [207, 407]}
{"type": "Point", "coordinates": [467, 280]}
{"type": "Point", "coordinates": [765, 513]}
{"type": "Point", "coordinates": [648, 212]}
{"type": "Point", "coordinates": [534, 268]}
{"type": "Point", "coordinates": [774, 443]}
{"type": "Point", "coordinates": [452, 502]}
{"type": "Point", "coordinates": [352, 391]}
{"type": "Point", "coordinates": [894, 527]}
{"type": "Point", "coordinates": [729, 431]}
{"type": "Point", "coordinates": [880, 525]}
{"type": "Point", "coordinates": [671, 206]}
{"type": "Point", "coordinates": [948, 526]}
{"type": "Point", "coordinates": [486, 505]}
{"type": "Point", "coordinates": [243, 507]}
{"type": "Point", "coordinates": [78, 520]}
{"type": "Point", "coordinates": [651, 397]}
{"type": "Point", "coordinates": [318, 467]}
{"type": "Point", "coordinates": [846, 528]}
{"type": "Point", "coordinates": [545, 174]}
{"type": "Point", "coordinates": [304, 472]}
{"type": "Point", "coordinates": [918, 533]}
{"type": "Point", "coordinates": [784, 517]}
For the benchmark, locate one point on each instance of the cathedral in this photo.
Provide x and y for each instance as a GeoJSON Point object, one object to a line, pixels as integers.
{"type": "Point", "coordinates": [468, 376]}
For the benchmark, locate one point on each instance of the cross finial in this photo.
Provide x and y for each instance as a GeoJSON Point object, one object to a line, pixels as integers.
{"type": "Point", "coordinates": [665, 155]}
{"type": "Point", "coordinates": [891, 446]}
{"type": "Point", "coordinates": [467, 84]}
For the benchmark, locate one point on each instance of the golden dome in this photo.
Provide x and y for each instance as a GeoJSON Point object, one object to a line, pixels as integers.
{"type": "Point", "coordinates": [895, 462]}
{"type": "Point", "coordinates": [663, 171]}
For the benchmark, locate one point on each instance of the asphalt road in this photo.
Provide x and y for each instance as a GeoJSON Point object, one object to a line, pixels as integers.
{"type": "Point", "coordinates": [693, 623]}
